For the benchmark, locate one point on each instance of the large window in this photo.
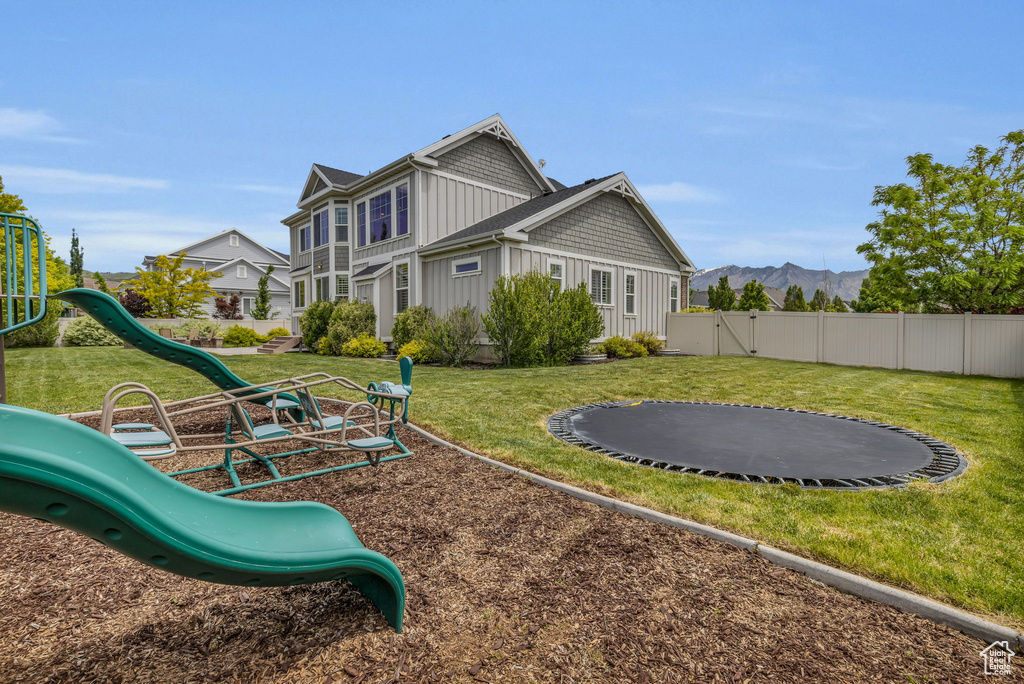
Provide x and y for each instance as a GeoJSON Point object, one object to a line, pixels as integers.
{"type": "Point", "coordinates": [321, 228]}
{"type": "Point", "coordinates": [361, 217]}
{"type": "Point", "coordinates": [380, 217]}
{"type": "Point", "coordinates": [401, 287]}
{"type": "Point", "coordinates": [402, 210]}
{"type": "Point", "coordinates": [341, 224]}
{"type": "Point", "coordinates": [304, 239]}
{"type": "Point", "coordinates": [673, 296]}
{"type": "Point", "coordinates": [300, 294]}
{"type": "Point", "coordinates": [342, 287]}
{"type": "Point", "coordinates": [601, 286]}
{"type": "Point", "coordinates": [630, 292]}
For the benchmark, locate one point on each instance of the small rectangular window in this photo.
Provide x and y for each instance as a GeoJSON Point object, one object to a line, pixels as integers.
{"type": "Point", "coordinates": [465, 266]}
{"type": "Point", "coordinates": [402, 210]}
{"type": "Point", "coordinates": [401, 287]}
{"type": "Point", "coordinates": [341, 224]}
{"type": "Point", "coordinates": [630, 294]}
{"type": "Point", "coordinates": [233, 240]}
{"type": "Point", "coordinates": [342, 287]}
{"type": "Point", "coordinates": [361, 217]}
{"type": "Point", "coordinates": [241, 272]}
{"type": "Point", "coordinates": [304, 242]}
{"type": "Point", "coordinates": [300, 294]}
{"type": "Point", "coordinates": [556, 269]}
{"type": "Point", "coordinates": [601, 286]}
{"type": "Point", "coordinates": [673, 296]}
{"type": "Point", "coordinates": [247, 303]}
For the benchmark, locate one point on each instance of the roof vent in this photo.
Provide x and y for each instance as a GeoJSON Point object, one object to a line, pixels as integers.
{"type": "Point", "coordinates": [589, 181]}
{"type": "Point", "coordinates": [447, 136]}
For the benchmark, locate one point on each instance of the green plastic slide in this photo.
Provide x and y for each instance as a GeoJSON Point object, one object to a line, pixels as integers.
{"type": "Point", "coordinates": [62, 472]}
{"type": "Point", "coordinates": [112, 316]}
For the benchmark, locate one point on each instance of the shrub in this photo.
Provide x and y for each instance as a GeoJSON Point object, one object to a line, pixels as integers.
{"type": "Point", "coordinates": [324, 348]}
{"type": "Point", "coordinates": [229, 306]}
{"type": "Point", "coordinates": [697, 309]}
{"type": "Point", "coordinates": [573, 322]}
{"type": "Point", "coordinates": [452, 336]}
{"type": "Point", "coordinates": [239, 336]}
{"type": "Point", "coordinates": [364, 345]}
{"type": "Point", "coordinates": [86, 331]}
{"type": "Point", "coordinates": [134, 303]}
{"type": "Point", "coordinates": [277, 332]}
{"type": "Point", "coordinates": [411, 325]}
{"type": "Point", "coordinates": [649, 340]}
{"type": "Point", "coordinates": [419, 351]}
{"type": "Point", "coordinates": [618, 347]}
{"type": "Point", "coordinates": [313, 323]}
{"type": "Point", "coordinates": [205, 327]}
{"type": "Point", "coordinates": [349, 320]}
{"type": "Point", "coordinates": [41, 334]}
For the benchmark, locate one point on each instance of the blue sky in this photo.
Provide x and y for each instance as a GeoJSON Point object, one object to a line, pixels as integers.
{"type": "Point", "coordinates": [757, 131]}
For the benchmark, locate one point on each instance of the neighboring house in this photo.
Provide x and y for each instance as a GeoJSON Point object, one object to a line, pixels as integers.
{"type": "Point", "coordinates": [776, 297]}
{"type": "Point", "coordinates": [91, 284]}
{"type": "Point", "coordinates": [241, 261]}
{"type": "Point", "coordinates": [438, 226]}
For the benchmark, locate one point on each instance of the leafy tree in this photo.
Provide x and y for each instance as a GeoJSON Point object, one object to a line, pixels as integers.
{"type": "Point", "coordinates": [795, 299]}
{"type": "Point", "coordinates": [76, 260]}
{"type": "Point", "coordinates": [820, 301]}
{"type": "Point", "coordinates": [229, 308]}
{"type": "Point", "coordinates": [721, 298]}
{"type": "Point", "coordinates": [135, 304]}
{"type": "Point", "coordinates": [954, 238]}
{"type": "Point", "coordinates": [314, 322]}
{"type": "Point", "coordinates": [173, 290]}
{"type": "Point", "coordinates": [838, 305]}
{"type": "Point", "coordinates": [870, 299]}
{"type": "Point", "coordinates": [754, 297]}
{"type": "Point", "coordinates": [261, 306]}
{"type": "Point", "coordinates": [101, 282]}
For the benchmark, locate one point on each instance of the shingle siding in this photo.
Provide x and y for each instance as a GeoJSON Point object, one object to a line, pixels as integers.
{"type": "Point", "coordinates": [321, 260]}
{"type": "Point", "coordinates": [489, 160]}
{"type": "Point", "coordinates": [341, 258]}
{"type": "Point", "coordinates": [606, 226]}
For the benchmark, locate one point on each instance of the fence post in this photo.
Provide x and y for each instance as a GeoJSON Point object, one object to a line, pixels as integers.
{"type": "Point", "coordinates": [718, 333]}
{"type": "Point", "coordinates": [901, 339]}
{"type": "Point", "coordinates": [754, 313]}
{"type": "Point", "coordinates": [968, 337]}
{"type": "Point", "coordinates": [821, 337]}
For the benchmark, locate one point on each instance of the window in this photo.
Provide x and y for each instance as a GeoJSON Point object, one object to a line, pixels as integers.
{"type": "Point", "coordinates": [630, 294]}
{"type": "Point", "coordinates": [342, 285]}
{"type": "Point", "coordinates": [461, 267]}
{"type": "Point", "coordinates": [241, 272]}
{"type": "Point", "coordinates": [322, 289]}
{"type": "Point", "coordinates": [402, 210]}
{"type": "Point", "coordinates": [361, 214]}
{"type": "Point", "coordinates": [300, 294]}
{"type": "Point", "coordinates": [304, 239]}
{"type": "Point", "coordinates": [401, 287]}
{"type": "Point", "coordinates": [380, 217]}
{"type": "Point", "coordinates": [233, 240]}
{"type": "Point", "coordinates": [673, 296]}
{"type": "Point", "coordinates": [601, 286]}
{"type": "Point", "coordinates": [556, 269]}
{"type": "Point", "coordinates": [321, 228]}
{"type": "Point", "coordinates": [341, 224]}
{"type": "Point", "coordinates": [247, 303]}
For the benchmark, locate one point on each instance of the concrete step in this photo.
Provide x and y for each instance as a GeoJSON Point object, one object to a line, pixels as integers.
{"type": "Point", "coordinates": [279, 345]}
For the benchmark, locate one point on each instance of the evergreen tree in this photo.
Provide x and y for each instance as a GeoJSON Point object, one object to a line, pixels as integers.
{"type": "Point", "coordinates": [838, 305]}
{"type": "Point", "coordinates": [795, 299]}
{"type": "Point", "coordinates": [754, 297]}
{"type": "Point", "coordinates": [721, 298]}
{"type": "Point", "coordinates": [101, 283]}
{"type": "Point", "coordinates": [871, 299]}
{"type": "Point", "coordinates": [261, 307]}
{"type": "Point", "coordinates": [76, 260]}
{"type": "Point", "coordinates": [820, 301]}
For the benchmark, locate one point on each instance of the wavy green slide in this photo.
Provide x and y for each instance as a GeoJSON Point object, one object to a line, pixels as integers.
{"type": "Point", "coordinates": [115, 318]}
{"type": "Point", "coordinates": [62, 472]}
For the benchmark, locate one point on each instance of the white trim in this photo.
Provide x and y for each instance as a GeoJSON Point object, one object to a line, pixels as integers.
{"type": "Point", "coordinates": [556, 262]}
{"type": "Point", "coordinates": [602, 260]}
{"type": "Point", "coordinates": [478, 249]}
{"type": "Point", "coordinates": [407, 288]}
{"type": "Point", "coordinates": [467, 260]}
{"type": "Point", "coordinates": [485, 186]}
{"type": "Point", "coordinates": [679, 292]}
{"type": "Point", "coordinates": [626, 295]}
{"type": "Point", "coordinates": [252, 303]}
{"type": "Point", "coordinates": [241, 272]}
{"type": "Point", "coordinates": [611, 285]}
{"type": "Point", "coordinates": [348, 286]}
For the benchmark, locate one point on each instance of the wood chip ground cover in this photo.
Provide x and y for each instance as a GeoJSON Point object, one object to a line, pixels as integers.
{"type": "Point", "coordinates": [507, 581]}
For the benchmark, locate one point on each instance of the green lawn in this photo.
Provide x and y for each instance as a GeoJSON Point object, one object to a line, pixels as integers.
{"type": "Point", "coordinates": [960, 542]}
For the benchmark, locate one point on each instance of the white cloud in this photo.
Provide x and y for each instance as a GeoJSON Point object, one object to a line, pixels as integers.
{"type": "Point", "coordinates": [65, 181]}
{"type": "Point", "coordinates": [262, 189]}
{"type": "Point", "coordinates": [678, 192]}
{"type": "Point", "coordinates": [22, 124]}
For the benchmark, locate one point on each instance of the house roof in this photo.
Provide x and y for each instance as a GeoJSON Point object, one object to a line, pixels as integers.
{"type": "Point", "coordinates": [337, 176]}
{"type": "Point", "coordinates": [256, 267]}
{"type": "Point", "coordinates": [279, 256]}
{"type": "Point", "coordinates": [371, 269]}
{"type": "Point", "coordinates": [558, 186]}
{"type": "Point", "coordinates": [520, 212]}
{"type": "Point", "coordinates": [777, 296]}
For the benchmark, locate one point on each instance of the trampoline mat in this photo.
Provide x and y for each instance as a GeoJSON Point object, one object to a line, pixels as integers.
{"type": "Point", "coordinates": [758, 443]}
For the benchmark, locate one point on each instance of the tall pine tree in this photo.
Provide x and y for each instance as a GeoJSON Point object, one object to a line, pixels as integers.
{"type": "Point", "coordinates": [794, 299]}
{"type": "Point", "coordinates": [76, 260]}
{"type": "Point", "coordinates": [721, 298]}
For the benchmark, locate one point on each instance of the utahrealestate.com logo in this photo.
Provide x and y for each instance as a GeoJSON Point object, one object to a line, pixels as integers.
{"type": "Point", "coordinates": [997, 658]}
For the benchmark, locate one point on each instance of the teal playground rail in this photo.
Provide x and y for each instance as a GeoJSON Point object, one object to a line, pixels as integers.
{"type": "Point", "coordinates": [18, 294]}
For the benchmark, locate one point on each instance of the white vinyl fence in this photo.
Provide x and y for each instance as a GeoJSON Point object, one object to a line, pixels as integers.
{"type": "Point", "coordinates": [971, 344]}
{"type": "Point", "coordinates": [262, 327]}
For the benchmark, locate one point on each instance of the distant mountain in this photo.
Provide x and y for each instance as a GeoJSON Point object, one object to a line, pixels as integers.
{"type": "Point", "coordinates": [846, 284]}
{"type": "Point", "coordinates": [116, 276]}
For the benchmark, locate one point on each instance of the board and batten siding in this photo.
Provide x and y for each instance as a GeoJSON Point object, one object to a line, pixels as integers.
{"type": "Point", "coordinates": [449, 205]}
{"type": "Point", "coordinates": [442, 291]}
{"type": "Point", "coordinates": [364, 292]}
{"type": "Point", "coordinates": [385, 305]}
{"type": "Point", "coordinates": [652, 288]}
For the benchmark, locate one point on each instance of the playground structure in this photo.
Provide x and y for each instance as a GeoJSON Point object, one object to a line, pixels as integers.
{"type": "Point", "coordinates": [59, 471]}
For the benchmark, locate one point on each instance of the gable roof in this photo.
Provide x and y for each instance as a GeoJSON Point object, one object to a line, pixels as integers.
{"type": "Point", "coordinates": [277, 256]}
{"type": "Point", "coordinates": [256, 267]}
{"type": "Point", "coordinates": [337, 176]}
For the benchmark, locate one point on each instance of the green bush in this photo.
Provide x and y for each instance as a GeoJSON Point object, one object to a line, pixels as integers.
{"type": "Point", "coordinates": [41, 334]}
{"type": "Point", "coordinates": [453, 336]}
{"type": "Point", "coordinates": [419, 351]}
{"type": "Point", "coordinates": [349, 320]}
{"type": "Point", "coordinates": [239, 336]}
{"type": "Point", "coordinates": [411, 325]}
{"type": "Point", "coordinates": [313, 323]}
{"type": "Point", "coordinates": [573, 322]}
{"type": "Point", "coordinates": [618, 347]}
{"type": "Point", "coordinates": [324, 348]}
{"type": "Point", "coordinates": [86, 331]}
{"type": "Point", "coordinates": [364, 345]}
{"type": "Point", "coordinates": [205, 327]}
{"type": "Point", "coordinates": [649, 340]}
{"type": "Point", "coordinates": [277, 332]}
{"type": "Point", "coordinates": [697, 309]}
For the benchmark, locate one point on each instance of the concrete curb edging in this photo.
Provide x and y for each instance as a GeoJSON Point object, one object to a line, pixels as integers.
{"type": "Point", "coordinates": [838, 579]}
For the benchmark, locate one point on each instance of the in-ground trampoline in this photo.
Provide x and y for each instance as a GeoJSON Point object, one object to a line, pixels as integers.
{"type": "Point", "coordinates": [759, 444]}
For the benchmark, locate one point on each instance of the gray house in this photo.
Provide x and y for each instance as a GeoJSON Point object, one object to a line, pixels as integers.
{"type": "Point", "coordinates": [438, 226]}
{"type": "Point", "coordinates": [241, 261]}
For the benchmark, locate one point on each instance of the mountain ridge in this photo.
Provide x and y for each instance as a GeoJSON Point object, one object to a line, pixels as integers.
{"type": "Point", "coordinates": [846, 284]}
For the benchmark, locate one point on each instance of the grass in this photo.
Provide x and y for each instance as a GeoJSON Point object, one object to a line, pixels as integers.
{"type": "Point", "coordinates": [958, 542]}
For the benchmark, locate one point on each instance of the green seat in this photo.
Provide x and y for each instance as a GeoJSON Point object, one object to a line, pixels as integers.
{"type": "Point", "coordinates": [63, 472]}
{"type": "Point", "coordinates": [133, 426]}
{"type": "Point", "coordinates": [331, 422]}
{"type": "Point", "coordinates": [150, 438]}
{"type": "Point", "coordinates": [260, 431]}
{"type": "Point", "coordinates": [367, 443]}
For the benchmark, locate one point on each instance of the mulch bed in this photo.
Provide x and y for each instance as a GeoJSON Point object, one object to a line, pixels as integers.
{"type": "Point", "coordinates": [507, 581]}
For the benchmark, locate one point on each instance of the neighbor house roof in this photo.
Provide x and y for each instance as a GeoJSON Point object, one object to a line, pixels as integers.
{"type": "Point", "coordinates": [775, 295]}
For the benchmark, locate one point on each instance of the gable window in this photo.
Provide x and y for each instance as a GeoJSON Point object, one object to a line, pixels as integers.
{"type": "Point", "coordinates": [300, 294]}
{"type": "Point", "coordinates": [341, 224]}
{"type": "Point", "coordinates": [241, 272]}
{"type": "Point", "coordinates": [342, 287]}
{"type": "Point", "coordinates": [304, 239]}
{"type": "Point", "coordinates": [601, 286]}
{"type": "Point", "coordinates": [673, 296]}
{"type": "Point", "coordinates": [630, 294]}
{"type": "Point", "coordinates": [361, 217]}
{"type": "Point", "coordinates": [462, 267]}
{"type": "Point", "coordinates": [321, 228]}
{"type": "Point", "coordinates": [322, 289]}
{"type": "Point", "coordinates": [380, 217]}
{"type": "Point", "coordinates": [556, 270]}
{"type": "Point", "coordinates": [402, 210]}
{"type": "Point", "coordinates": [233, 240]}
{"type": "Point", "coordinates": [401, 287]}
